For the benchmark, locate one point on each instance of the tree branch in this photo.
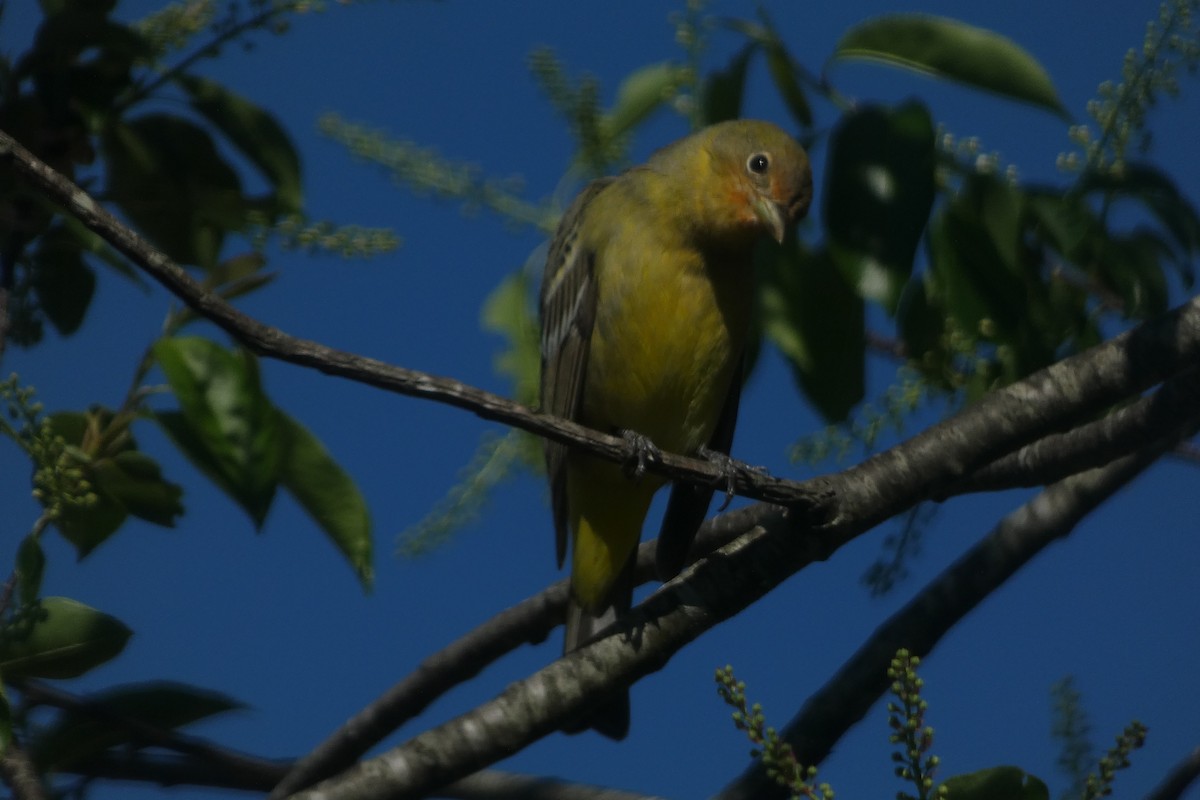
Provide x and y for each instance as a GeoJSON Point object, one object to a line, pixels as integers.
{"type": "Point", "coordinates": [528, 622]}
{"type": "Point", "coordinates": [274, 343]}
{"type": "Point", "coordinates": [1181, 776]}
{"type": "Point", "coordinates": [944, 602]}
{"type": "Point", "coordinates": [21, 775]}
{"type": "Point", "coordinates": [1062, 454]}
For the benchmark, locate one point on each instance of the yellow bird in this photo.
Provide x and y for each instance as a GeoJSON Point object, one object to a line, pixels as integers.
{"type": "Point", "coordinates": [645, 303]}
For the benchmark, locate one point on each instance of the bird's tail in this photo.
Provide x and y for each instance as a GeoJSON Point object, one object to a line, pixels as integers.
{"type": "Point", "coordinates": [609, 717]}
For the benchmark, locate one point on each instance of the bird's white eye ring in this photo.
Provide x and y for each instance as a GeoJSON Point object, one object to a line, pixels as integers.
{"type": "Point", "coordinates": [758, 163]}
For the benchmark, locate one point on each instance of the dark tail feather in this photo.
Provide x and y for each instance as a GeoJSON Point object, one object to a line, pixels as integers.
{"type": "Point", "coordinates": [610, 716]}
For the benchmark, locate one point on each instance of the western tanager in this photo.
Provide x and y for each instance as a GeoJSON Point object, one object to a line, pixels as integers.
{"type": "Point", "coordinates": [645, 303]}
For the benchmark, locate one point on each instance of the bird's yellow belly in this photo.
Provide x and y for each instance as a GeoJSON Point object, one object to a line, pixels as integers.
{"type": "Point", "coordinates": [663, 355]}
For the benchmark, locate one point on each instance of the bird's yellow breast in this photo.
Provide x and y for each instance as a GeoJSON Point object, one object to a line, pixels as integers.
{"type": "Point", "coordinates": [669, 329]}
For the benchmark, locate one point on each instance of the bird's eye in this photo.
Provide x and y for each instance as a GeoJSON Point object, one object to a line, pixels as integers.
{"type": "Point", "coordinates": [758, 163]}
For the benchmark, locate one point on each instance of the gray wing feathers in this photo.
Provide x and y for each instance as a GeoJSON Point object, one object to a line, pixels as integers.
{"type": "Point", "coordinates": [568, 309]}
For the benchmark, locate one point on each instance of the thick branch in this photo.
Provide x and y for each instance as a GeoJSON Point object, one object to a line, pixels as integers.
{"type": "Point", "coordinates": [529, 621]}
{"type": "Point", "coordinates": [1183, 775]}
{"type": "Point", "coordinates": [937, 608]}
{"type": "Point", "coordinates": [177, 770]}
{"type": "Point", "coordinates": [21, 775]}
{"type": "Point", "coordinates": [1099, 442]}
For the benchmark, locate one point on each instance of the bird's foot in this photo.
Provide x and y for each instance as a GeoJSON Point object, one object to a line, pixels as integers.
{"type": "Point", "coordinates": [641, 450]}
{"type": "Point", "coordinates": [730, 468]}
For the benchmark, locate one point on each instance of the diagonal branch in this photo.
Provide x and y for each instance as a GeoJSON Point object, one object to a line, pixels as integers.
{"type": "Point", "coordinates": [1181, 776]}
{"type": "Point", "coordinates": [274, 343]}
{"type": "Point", "coordinates": [919, 626]}
{"type": "Point", "coordinates": [1059, 455]}
{"type": "Point", "coordinates": [720, 586]}
{"type": "Point", "coordinates": [528, 622]}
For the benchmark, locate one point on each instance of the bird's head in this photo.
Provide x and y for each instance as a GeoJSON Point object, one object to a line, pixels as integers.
{"type": "Point", "coordinates": [763, 175]}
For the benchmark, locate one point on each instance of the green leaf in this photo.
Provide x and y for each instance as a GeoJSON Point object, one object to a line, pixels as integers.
{"type": "Point", "coordinates": [951, 49]}
{"type": "Point", "coordinates": [31, 565]}
{"type": "Point", "coordinates": [64, 283]}
{"type": "Point", "coordinates": [254, 132]}
{"type": "Point", "coordinates": [6, 722]}
{"type": "Point", "coordinates": [783, 70]}
{"type": "Point", "coordinates": [1159, 194]}
{"type": "Point", "coordinates": [997, 783]}
{"type": "Point", "coordinates": [77, 735]}
{"type": "Point", "coordinates": [721, 94]}
{"type": "Point", "coordinates": [641, 94]}
{"type": "Point", "coordinates": [88, 527]}
{"type": "Point", "coordinates": [226, 425]}
{"type": "Point", "coordinates": [168, 177]}
{"type": "Point", "coordinates": [879, 193]}
{"type": "Point", "coordinates": [135, 481]}
{"type": "Point", "coordinates": [818, 322]}
{"type": "Point", "coordinates": [507, 312]}
{"type": "Point", "coordinates": [59, 638]}
{"type": "Point", "coordinates": [329, 495]}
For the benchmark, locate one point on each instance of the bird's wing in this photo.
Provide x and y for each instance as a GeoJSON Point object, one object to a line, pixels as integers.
{"type": "Point", "coordinates": [689, 501]}
{"type": "Point", "coordinates": [568, 309]}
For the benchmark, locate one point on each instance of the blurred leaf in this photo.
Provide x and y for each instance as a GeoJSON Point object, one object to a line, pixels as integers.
{"type": "Point", "coordinates": [817, 320]}
{"type": "Point", "coordinates": [922, 324]}
{"type": "Point", "coordinates": [6, 721]}
{"type": "Point", "coordinates": [641, 94]}
{"type": "Point", "coordinates": [1131, 266]}
{"type": "Point", "coordinates": [997, 783]}
{"type": "Point", "coordinates": [226, 424]}
{"type": "Point", "coordinates": [64, 283]}
{"type": "Point", "coordinates": [721, 95]}
{"type": "Point", "coordinates": [78, 735]}
{"type": "Point", "coordinates": [507, 312]}
{"type": "Point", "coordinates": [31, 565]}
{"type": "Point", "coordinates": [59, 638]}
{"type": "Point", "coordinates": [783, 70]}
{"type": "Point", "coordinates": [328, 494]}
{"type": "Point", "coordinates": [951, 49]}
{"type": "Point", "coordinates": [255, 133]}
{"type": "Point", "coordinates": [87, 527]}
{"type": "Point", "coordinates": [167, 176]}
{"type": "Point", "coordinates": [1159, 194]}
{"type": "Point", "coordinates": [135, 481]}
{"type": "Point", "coordinates": [878, 194]}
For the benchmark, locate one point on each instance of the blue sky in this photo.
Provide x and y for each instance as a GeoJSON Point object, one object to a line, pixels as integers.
{"type": "Point", "coordinates": [278, 621]}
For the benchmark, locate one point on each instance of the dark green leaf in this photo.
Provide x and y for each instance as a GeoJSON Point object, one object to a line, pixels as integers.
{"type": "Point", "coordinates": [31, 565]}
{"type": "Point", "coordinates": [91, 243]}
{"type": "Point", "coordinates": [951, 49]}
{"type": "Point", "coordinates": [878, 195]}
{"type": "Point", "coordinates": [167, 176]}
{"type": "Point", "coordinates": [64, 283]}
{"type": "Point", "coordinates": [1159, 194]}
{"type": "Point", "coordinates": [329, 495]}
{"type": "Point", "coordinates": [6, 722]}
{"type": "Point", "coordinates": [721, 95]}
{"type": "Point", "coordinates": [78, 735]}
{"type": "Point", "coordinates": [817, 320]}
{"type": "Point", "coordinates": [88, 527]}
{"type": "Point", "coordinates": [254, 132]}
{"type": "Point", "coordinates": [226, 425]}
{"type": "Point", "coordinates": [1131, 266]}
{"type": "Point", "coordinates": [59, 638]}
{"type": "Point", "coordinates": [641, 94]}
{"type": "Point", "coordinates": [997, 783]}
{"type": "Point", "coordinates": [783, 72]}
{"type": "Point", "coordinates": [135, 481]}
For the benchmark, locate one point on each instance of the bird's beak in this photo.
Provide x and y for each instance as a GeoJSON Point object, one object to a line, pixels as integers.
{"type": "Point", "coordinates": [773, 217]}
